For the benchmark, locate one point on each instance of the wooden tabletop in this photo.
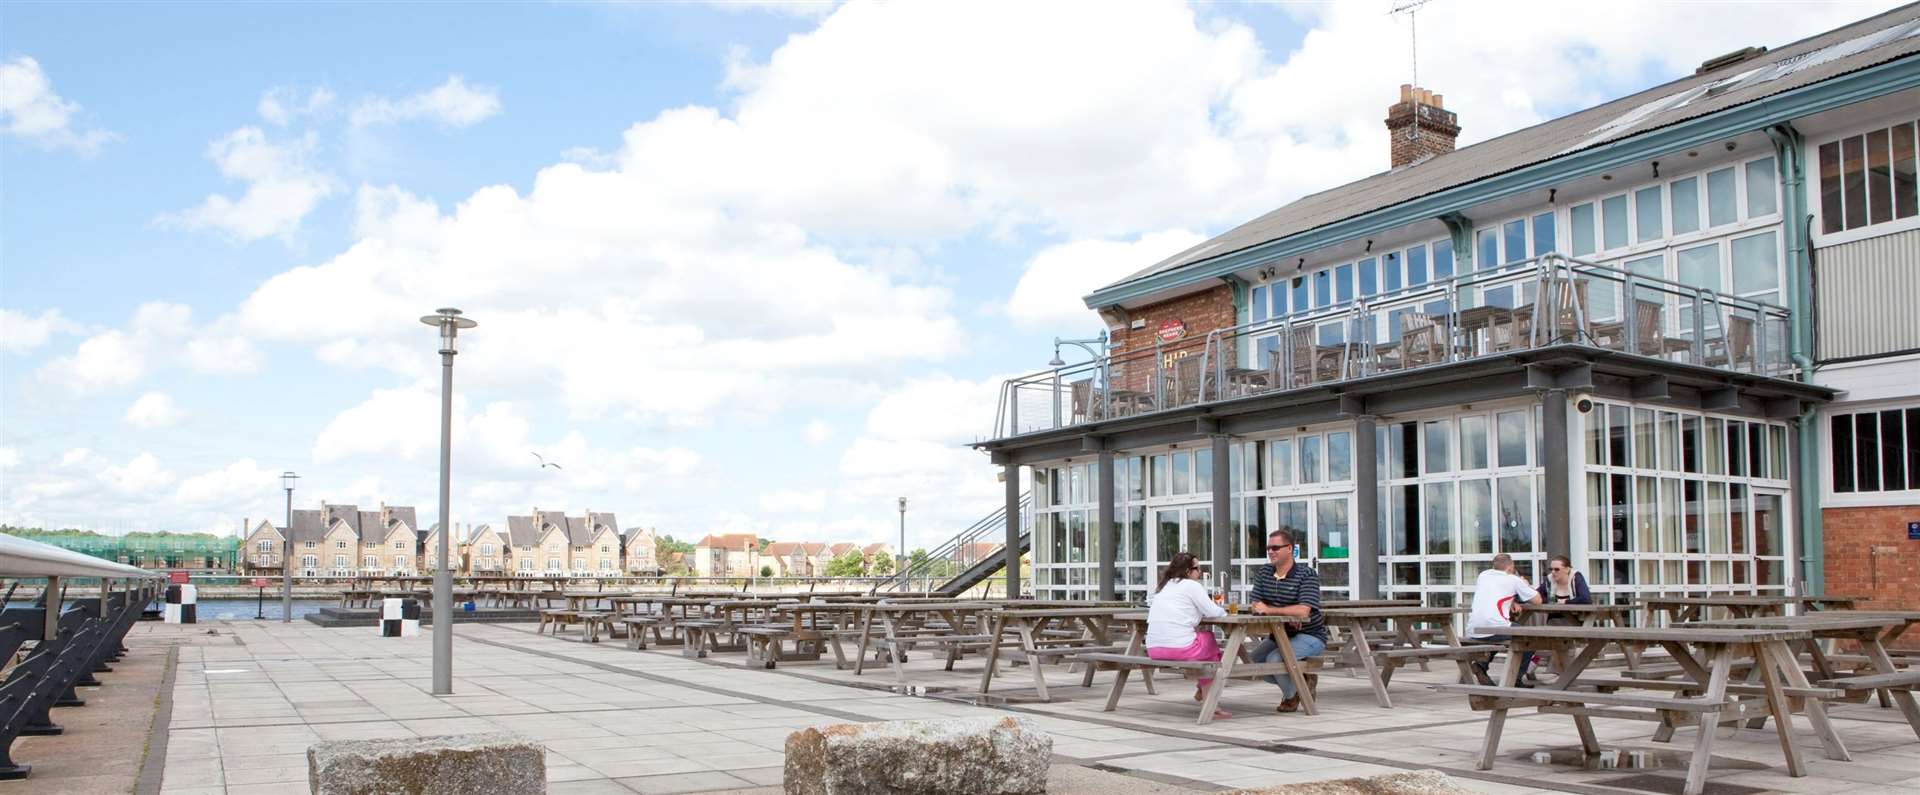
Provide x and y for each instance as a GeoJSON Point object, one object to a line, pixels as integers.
{"type": "Point", "coordinates": [1684, 634]}
{"type": "Point", "coordinates": [915, 607]}
{"type": "Point", "coordinates": [1228, 620]}
{"type": "Point", "coordinates": [1347, 604]}
{"type": "Point", "coordinates": [1064, 612]}
{"type": "Point", "coordinates": [1727, 600]}
{"type": "Point", "coordinates": [1408, 611]}
{"type": "Point", "coordinates": [1570, 608]}
{"type": "Point", "coordinates": [1836, 621]}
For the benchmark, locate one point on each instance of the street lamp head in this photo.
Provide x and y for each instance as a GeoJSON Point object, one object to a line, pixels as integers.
{"type": "Point", "coordinates": [903, 503]}
{"type": "Point", "coordinates": [287, 479]}
{"type": "Point", "coordinates": [449, 321]}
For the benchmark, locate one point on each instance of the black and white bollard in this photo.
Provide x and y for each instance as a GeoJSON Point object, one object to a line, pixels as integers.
{"type": "Point", "coordinates": [182, 601]}
{"type": "Point", "coordinates": [399, 618]}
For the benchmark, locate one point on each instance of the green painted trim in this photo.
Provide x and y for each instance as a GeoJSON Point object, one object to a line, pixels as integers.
{"type": "Point", "coordinates": [1869, 82]}
{"type": "Point", "coordinates": [1788, 149]}
{"type": "Point", "coordinates": [1460, 230]}
{"type": "Point", "coordinates": [1242, 309]}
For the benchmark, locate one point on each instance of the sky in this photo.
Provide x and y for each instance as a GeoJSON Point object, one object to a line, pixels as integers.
{"type": "Point", "coordinates": [737, 267]}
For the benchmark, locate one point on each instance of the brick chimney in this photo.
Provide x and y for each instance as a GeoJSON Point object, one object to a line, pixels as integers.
{"type": "Point", "coordinates": [1420, 126]}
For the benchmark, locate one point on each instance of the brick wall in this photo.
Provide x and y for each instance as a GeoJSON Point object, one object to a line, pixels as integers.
{"type": "Point", "coordinates": [1201, 312]}
{"type": "Point", "coordinates": [1892, 577]}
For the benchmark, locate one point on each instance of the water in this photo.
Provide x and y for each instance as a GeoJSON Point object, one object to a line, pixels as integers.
{"type": "Point", "coordinates": [1630, 759]}
{"type": "Point", "coordinates": [239, 609]}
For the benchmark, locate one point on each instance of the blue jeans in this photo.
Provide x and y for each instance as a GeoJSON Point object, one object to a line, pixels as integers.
{"type": "Point", "coordinates": [1304, 646]}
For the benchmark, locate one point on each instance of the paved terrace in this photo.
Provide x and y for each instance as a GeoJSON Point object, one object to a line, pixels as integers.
{"type": "Point", "coordinates": [245, 704]}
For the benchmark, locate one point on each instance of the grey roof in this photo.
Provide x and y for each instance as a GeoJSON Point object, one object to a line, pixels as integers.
{"type": "Point", "coordinates": [1789, 67]}
{"type": "Point", "coordinates": [598, 518]}
{"type": "Point", "coordinates": [478, 531]}
{"type": "Point", "coordinates": [404, 513]}
{"type": "Point", "coordinates": [308, 526]}
{"type": "Point", "coordinates": [371, 528]}
{"type": "Point", "coordinates": [522, 532]}
{"type": "Point", "coordinates": [579, 533]}
{"type": "Point", "coordinates": [347, 514]}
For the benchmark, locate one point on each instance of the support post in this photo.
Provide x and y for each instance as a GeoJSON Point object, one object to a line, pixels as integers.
{"type": "Point", "coordinates": [1109, 534]}
{"type": "Point", "coordinates": [286, 564]}
{"type": "Point", "coordinates": [1222, 510]}
{"type": "Point", "coordinates": [1011, 554]}
{"type": "Point", "coordinates": [442, 576]}
{"type": "Point", "coordinates": [1363, 550]}
{"type": "Point", "coordinates": [50, 626]}
{"type": "Point", "coordinates": [1558, 534]}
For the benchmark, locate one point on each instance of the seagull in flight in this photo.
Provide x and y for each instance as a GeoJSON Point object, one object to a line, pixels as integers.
{"type": "Point", "coordinates": [544, 463]}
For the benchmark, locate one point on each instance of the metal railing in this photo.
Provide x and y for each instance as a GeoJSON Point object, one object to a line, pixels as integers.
{"type": "Point", "coordinates": [979, 542]}
{"type": "Point", "coordinates": [1548, 300]}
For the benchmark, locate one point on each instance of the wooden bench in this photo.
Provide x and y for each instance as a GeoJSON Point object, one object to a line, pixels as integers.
{"type": "Point", "coordinates": [1125, 664]}
{"type": "Point", "coordinates": [637, 627]}
{"type": "Point", "coordinates": [591, 621]}
{"type": "Point", "coordinates": [698, 635]}
{"type": "Point", "coordinates": [763, 644]}
{"type": "Point", "coordinates": [1898, 680]}
{"type": "Point", "coordinates": [1486, 697]}
{"type": "Point", "coordinates": [555, 619]}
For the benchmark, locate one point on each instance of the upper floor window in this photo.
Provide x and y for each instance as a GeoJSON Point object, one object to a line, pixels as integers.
{"type": "Point", "coordinates": [339, 545]}
{"type": "Point", "coordinates": [399, 545]}
{"type": "Point", "coordinates": [1868, 178]}
{"type": "Point", "coordinates": [1874, 451]}
{"type": "Point", "coordinates": [1678, 208]}
{"type": "Point", "coordinates": [308, 545]}
{"type": "Point", "coordinates": [265, 546]}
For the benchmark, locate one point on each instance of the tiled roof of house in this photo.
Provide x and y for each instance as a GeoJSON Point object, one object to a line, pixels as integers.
{"type": "Point", "coordinates": [308, 526]}
{"type": "Point", "coordinates": [1862, 44]}
{"type": "Point", "coordinates": [782, 548]}
{"type": "Point", "coordinates": [738, 542]}
{"type": "Point", "coordinates": [842, 548]}
{"type": "Point", "coordinates": [481, 530]}
{"type": "Point", "coordinates": [522, 532]}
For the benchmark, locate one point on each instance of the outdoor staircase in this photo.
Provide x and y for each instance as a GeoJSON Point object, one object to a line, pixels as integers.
{"type": "Point", "coordinates": [968, 558]}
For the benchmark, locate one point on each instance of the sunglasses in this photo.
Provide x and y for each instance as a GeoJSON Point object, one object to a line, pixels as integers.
{"type": "Point", "coordinates": [1558, 568]}
{"type": "Point", "coordinates": [1278, 547]}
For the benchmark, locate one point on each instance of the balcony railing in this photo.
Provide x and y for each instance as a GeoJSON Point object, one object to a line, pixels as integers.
{"type": "Point", "coordinates": [1549, 300]}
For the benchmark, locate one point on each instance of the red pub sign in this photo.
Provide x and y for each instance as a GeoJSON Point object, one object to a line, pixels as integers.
{"type": "Point", "coordinates": [1172, 329]}
{"type": "Point", "coordinates": [177, 577]}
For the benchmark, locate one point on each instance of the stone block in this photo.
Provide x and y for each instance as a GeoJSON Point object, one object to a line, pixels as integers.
{"type": "Point", "coordinates": [959, 756]}
{"type": "Point", "coordinates": [499, 763]}
{"type": "Point", "coordinates": [1417, 782]}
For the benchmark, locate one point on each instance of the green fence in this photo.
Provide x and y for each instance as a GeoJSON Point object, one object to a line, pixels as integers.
{"type": "Point", "coordinates": [148, 550]}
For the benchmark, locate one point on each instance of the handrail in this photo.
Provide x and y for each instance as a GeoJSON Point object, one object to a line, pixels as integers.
{"type": "Point", "coordinates": [20, 557]}
{"type": "Point", "coordinates": [1565, 299]}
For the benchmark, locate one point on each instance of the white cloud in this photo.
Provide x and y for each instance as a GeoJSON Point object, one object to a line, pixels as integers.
{"type": "Point", "coordinates": [9, 457]}
{"type": "Point", "coordinates": [451, 104]}
{"type": "Point", "coordinates": [154, 410]}
{"type": "Point", "coordinates": [282, 187]}
{"type": "Point", "coordinates": [138, 477]}
{"type": "Point", "coordinates": [793, 8]}
{"type": "Point", "coordinates": [20, 332]}
{"type": "Point", "coordinates": [1056, 278]}
{"type": "Point", "coordinates": [158, 334]}
{"type": "Point", "coordinates": [281, 106]}
{"type": "Point", "coordinates": [818, 432]}
{"type": "Point", "coordinates": [30, 109]}
{"type": "Point", "coordinates": [237, 484]}
{"type": "Point", "coordinates": [793, 501]}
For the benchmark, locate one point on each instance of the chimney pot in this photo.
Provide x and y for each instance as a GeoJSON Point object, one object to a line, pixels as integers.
{"type": "Point", "coordinates": [1406, 92]}
{"type": "Point", "coordinates": [1439, 102]}
{"type": "Point", "coordinates": [1419, 127]}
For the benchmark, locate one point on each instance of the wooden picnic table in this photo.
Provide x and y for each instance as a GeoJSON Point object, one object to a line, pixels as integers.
{"type": "Point", "coordinates": [1582, 615]}
{"type": "Point", "coordinates": [1683, 609]}
{"type": "Point", "coordinates": [1709, 700]}
{"type": "Point", "coordinates": [1380, 657]}
{"type": "Point", "coordinates": [1240, 627]}
{"type": "Point", "coordinates": [904, 624]}
{"type": "Point", "coordinates": [1869, 630]}
{"type": "Point", "coordinates": [1030, 625]}
{"type": "Point", "coordinates": [808, 632]}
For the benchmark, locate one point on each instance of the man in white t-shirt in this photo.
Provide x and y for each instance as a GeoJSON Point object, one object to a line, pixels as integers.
{"type": "Point", "coordinates": [1497, 596]}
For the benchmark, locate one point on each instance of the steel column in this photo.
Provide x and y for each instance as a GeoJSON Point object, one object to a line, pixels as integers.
{"type": "Point", "coordinates": [1363, 551]}
{"type": "Point", "coordinates": [50, 624]}
{"type": "Point", "coordinates": [1222, 510]}
{"type": "Point", "coordinates": [1011, 554]}
{"type": "Point", "coordinates": [1109, 534]}
{"type": "Point", "coordinates": [286, 565]}
{"type": "Point", "coordinates": [1558, 534]}
{"type": "Point", "coordinates": [442, 576]}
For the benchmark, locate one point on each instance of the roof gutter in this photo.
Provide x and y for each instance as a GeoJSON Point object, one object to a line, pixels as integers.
{"type": "Point", "coordinates": [1789, 150]}
{"type": "Point", "coordinates": [1884, 78]}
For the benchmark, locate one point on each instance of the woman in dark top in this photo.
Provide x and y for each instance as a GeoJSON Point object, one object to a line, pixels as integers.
{"type": "Point", "coordinates": [1563, 585]}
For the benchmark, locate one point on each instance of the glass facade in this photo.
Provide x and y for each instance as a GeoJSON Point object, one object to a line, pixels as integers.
{"type": "Point", "coordinates": [1660, 500]}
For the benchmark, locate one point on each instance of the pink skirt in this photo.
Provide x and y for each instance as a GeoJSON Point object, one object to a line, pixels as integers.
{"type": "Point", "coordinates": [1203, 649]}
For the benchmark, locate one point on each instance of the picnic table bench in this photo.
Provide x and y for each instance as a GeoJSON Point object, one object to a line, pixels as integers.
{"type": "Point", "coordinates": [1380, 657]}
{"type": "Point", "coordinates": [1036, 645]}
{"type": "Point", "coordinates": [814, 625]}
{"type": "Point", "coordinates": [1869, 630]}
{"type": "Point", "coordinates": [1232, 665]}
{"type": "Point", "coordinates": [1707, 654]}
{"type": "Point", "coordinates": [906, 625]}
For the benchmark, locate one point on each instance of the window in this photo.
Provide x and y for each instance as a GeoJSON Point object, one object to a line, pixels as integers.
{"type": "Point", "coordinates": [265, 546]}
{"type": "Point", "coordinates": [1868, 179]}
{"type": "Point", "coordinates": [1648, 214]}
{"type": "Point", "coordinates": [1874, 450]}
{"type": "Point", "coordinates": [1442, 259]}
{"type": "Point", "coordinates": [1721, 209]}
{"type": "Point", "coordinates": [1686, 205]}
{"type": "Point", "coordinates": [1613, 216]}
{"type": "Point", "coordinates": [308, 545]}
{"type": "Point", "coordinates": [399, 545]}
{"type": "Point", "coordinates": [1581, 220]}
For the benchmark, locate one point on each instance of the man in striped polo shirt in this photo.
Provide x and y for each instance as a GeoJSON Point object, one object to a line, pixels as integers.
{"type": "Point", "coordinates": [1288, 588]}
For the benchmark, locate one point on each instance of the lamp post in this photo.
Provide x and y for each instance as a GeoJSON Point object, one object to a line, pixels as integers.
{"type": "Point", "coordinates": [900, 555]}
{"type": "Point", "coordinates": [449, 322]}
{"type": "Point", "coordinates": [286, 558]}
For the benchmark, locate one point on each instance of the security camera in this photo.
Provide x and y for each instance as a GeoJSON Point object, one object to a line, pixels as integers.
{"type": "Point", "coordinates": [1584, 405]}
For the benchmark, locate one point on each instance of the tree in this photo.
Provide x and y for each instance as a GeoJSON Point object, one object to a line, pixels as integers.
{"type": "Point", "coordinates": [882, 564]}
{"type": "Point", "coordinates": [851, 564]}
{"type": "Point", "coordinates": [766, 571]}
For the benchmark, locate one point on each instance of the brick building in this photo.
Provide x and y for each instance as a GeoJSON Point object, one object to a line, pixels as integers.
{"type": "Point", "coordinates": [1672, 336]}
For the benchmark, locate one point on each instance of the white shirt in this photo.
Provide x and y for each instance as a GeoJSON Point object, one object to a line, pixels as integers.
{"type": "Point", "coordinates": [1175, 612]}
{"type": "Point", "coordinates": [1493, 597]}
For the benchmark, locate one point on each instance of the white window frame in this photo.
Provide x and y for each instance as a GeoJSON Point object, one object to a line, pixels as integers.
{"type": "Point", "coordinates": [1831, 498]}
{"type": "Point", "coordinates": [1811, 157]}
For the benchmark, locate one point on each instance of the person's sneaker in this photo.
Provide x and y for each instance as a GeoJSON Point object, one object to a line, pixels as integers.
{"type": "Point", "coordinates": [1480, 673]}
{"type": "Point", "coordinates": [1523, 684]}
{"type": "Point", "coordinates": [1290, 705]}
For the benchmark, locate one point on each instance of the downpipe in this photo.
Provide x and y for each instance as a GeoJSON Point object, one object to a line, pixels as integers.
{"type": "Point", "coordinates": [1787, 147]}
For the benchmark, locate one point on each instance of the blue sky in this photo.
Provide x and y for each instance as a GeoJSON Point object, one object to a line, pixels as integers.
{"type": "Point", "coordinates": [737, 267]}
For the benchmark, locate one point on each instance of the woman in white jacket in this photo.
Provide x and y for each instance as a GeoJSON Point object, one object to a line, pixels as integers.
{"type": "Point", "coordinates": [1173, 619]}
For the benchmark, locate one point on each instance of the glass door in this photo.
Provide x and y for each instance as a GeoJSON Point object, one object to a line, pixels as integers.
{"type": "Point", "coordinates": [1323, 532]}
{"type": "Point", "coordinates": [1770, 538]}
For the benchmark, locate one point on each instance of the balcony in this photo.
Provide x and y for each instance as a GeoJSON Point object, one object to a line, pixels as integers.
{"type": "Point", "coordinates": [1548, 301]}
